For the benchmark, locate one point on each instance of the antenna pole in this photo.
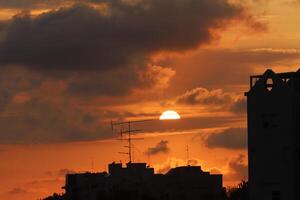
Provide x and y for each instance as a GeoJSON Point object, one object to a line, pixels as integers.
{"type": "Point", "coordinates": [129, 138]}
{"type": "Point", "coordinates": [132, 152]}
{"type": "Point", "coordinates": [129, 141]}
{"type": "Point", "coordinates": [187, 155]}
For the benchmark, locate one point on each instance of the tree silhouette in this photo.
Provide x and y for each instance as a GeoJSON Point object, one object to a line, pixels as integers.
{"type": "Point", "coordinates": [238, 193]}
{"type": "Point", "coordinates": [55, 196]}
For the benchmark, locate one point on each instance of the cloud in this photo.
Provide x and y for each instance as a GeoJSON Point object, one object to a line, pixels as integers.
{"type": "Point", "coordinates": [238, 169]}
{"type": "Point", "coordinates": [56, 65]}
{"type": "Point", "coordinates": [233, 138]}
{"type": "Point", "coordinates": [127, 36]}
{"type": "Point", "coordinates": [119, 82]}
{"type": "Point", "coordinates": [205, 97]}
{"type": "Point", "coordinates": [39, 112]}
{"type": "Point", "coordinates": [216, 98]}
{"type": "Point", "coordinates": [98, 51]}
{"type": "Point", "coordinates": [161, 147]}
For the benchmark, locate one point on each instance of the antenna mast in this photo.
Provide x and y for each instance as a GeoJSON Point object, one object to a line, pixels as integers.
{"type": "Point", "coordinates": [129, 132]}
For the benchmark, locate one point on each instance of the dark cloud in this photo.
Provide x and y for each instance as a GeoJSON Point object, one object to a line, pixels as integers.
{"type": "Point", "coordinates": [81, 37]}
{"type": "Point", "coordinates": [36, 109]}
{"type": "Point", "coordinates": [238, 169]}
{"type": "Point", "coordinates": [233, 138]}
{"type": "Point", "coordinates": [119, 82]}
{"type": "Point", "coordinates": [114, 44]}
{"type": "Point", "coordinates": [161, 147]}
{"type": "Point", "coordinates": [116, 83]}
{"type": "Point", "coordinates": [17, 191]}
{"type": "Point", "coordinates": [40, 122]}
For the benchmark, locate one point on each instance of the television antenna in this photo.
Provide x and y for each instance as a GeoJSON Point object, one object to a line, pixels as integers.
{"type": "Point", "coordinates": [129, 132]}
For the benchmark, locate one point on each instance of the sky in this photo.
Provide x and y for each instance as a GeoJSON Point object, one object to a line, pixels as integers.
{"type": "Point", "coordinates": [69, 67]}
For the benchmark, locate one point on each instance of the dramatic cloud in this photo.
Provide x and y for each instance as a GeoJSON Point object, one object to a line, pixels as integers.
{"type": "Point", "coordinates": [35, 108]}
{"type": "Point", "coordinates": [161, 147]}
{"type": "Point", "coordinates": [82, 37]}
{"type": "Point", "coordinates": [54, 64]}
{"type": "Point", "coordinates": [233, 138]}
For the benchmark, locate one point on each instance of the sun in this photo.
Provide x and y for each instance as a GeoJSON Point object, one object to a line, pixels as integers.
{"type": "Point", "coordinates": [169, 114]}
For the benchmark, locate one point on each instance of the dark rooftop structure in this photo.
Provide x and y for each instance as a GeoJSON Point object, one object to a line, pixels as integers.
{"type": "Point", "coordinates": [136, 181]}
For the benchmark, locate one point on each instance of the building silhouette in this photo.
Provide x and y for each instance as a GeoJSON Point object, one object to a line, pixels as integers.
{"type": "Point", "coordinates": [136, 181]}
{"type": "Point", "coordinates": [273, 104]}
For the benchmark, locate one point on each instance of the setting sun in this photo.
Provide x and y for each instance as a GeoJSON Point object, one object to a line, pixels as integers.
{"type": "Point", "coordinates": [169, 114]}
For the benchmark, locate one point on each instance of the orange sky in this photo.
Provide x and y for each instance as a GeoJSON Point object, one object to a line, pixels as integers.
{"type": "Point", "coordinates": [55, 108]}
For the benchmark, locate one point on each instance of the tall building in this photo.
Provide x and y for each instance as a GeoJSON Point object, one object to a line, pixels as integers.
{"type": "Point", "coordinates": [273, 104]}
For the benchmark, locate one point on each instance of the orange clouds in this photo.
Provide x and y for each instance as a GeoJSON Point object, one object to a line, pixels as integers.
{"type": "Point", "coordinates": [159, 77]}
{"type": "Point", "coordinates": [216, 99]}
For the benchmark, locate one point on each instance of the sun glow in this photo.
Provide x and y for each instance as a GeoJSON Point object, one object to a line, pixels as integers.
{"type": "Point", "coordinates": [169, 114]}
